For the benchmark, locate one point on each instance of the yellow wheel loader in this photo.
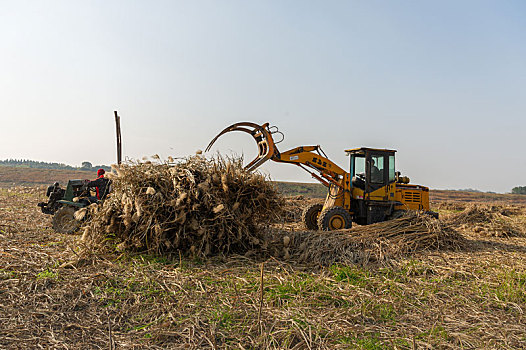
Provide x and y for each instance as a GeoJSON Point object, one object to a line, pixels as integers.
{"type": "Point", "coordinates": [372, 191]}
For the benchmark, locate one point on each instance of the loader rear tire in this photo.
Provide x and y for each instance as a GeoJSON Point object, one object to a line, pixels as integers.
{"type": "Point", "coordinates": [397, 214]}
{"type": "Point", "coordinates": [64, 221]}
{"type": "Point", "coordinates": [310, 215]}
{"type": "Point", "coordinates": [334, 218]}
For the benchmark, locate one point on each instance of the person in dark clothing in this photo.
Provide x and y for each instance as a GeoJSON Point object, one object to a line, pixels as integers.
{"type": "Point", "coordinates": [101, 185]}
{"type": "Point", "coordinates": [376, 174]}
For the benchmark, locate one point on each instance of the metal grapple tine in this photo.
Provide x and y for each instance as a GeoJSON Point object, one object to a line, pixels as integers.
{"type": "Point", "coordinates": [263, 138]}
{"type": "Point", "coordinates": [226, 130]}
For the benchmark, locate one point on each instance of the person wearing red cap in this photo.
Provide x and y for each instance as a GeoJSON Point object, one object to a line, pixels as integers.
{"type": "Point", "coordinates": [101, 184]}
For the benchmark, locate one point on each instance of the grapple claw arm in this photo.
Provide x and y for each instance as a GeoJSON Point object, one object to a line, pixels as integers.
{"type": "Point", "coordinates": [261, 133]}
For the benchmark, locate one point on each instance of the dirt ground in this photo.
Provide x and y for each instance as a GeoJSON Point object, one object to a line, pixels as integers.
{"type": "Point", "coordinates": [474, 298]}
{"type": "Point", "coordinates": [13, 176]}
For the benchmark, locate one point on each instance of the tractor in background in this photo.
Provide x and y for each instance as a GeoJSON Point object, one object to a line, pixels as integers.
{"type": "Point", "coordinates": [64, 202]}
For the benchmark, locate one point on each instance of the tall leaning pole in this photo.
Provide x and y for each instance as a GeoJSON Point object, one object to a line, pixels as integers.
{"type": "Point", "coordinates": [119, 141]}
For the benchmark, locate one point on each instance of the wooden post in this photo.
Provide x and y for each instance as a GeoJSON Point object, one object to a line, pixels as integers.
{"type": "Point", "coordinates": [261, 299]}
{"type": "Point", "coordinates": [119, 142]}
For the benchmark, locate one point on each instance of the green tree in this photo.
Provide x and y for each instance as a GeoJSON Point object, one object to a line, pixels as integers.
{"type": "Point", "coordinates": [87, 165]}
{"type": "Point", "coordinates": [519, 190]}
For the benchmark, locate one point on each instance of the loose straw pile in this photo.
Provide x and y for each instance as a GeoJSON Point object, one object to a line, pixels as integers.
{"type": "Point", "coordinates": [489, 220]}
{"type": "Point", "coordinates": [377, 242]}
{"type": "Point", "coordinates": [199, 206]}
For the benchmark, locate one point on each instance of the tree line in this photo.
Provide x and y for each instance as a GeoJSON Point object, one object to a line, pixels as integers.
{"type": "Point", "coordinates": [26, 163]}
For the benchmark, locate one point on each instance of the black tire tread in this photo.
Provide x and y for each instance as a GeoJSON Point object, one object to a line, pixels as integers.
{"type": "Point", "coordinates": [59, 215]}
{"type": "Point", "coordinates": [325, 215]}
{"type": "Point", "coordinates": [306, 216]}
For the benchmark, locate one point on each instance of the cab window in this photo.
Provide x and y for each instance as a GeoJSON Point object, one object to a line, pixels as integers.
{"type": "Point", "coordinates": [359, 166]}
{"type": "Point", "coordinates": [392, 172]}
{"type": "Point", "coordinates": [377, 169]}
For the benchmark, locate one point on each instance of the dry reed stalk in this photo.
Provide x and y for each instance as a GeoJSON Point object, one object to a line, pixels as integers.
{"type": "Point", "coordinates": [261, 286]}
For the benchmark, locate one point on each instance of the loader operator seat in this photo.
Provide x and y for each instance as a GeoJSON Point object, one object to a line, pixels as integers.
{"type": "Point", "coordinates": [358, 181]}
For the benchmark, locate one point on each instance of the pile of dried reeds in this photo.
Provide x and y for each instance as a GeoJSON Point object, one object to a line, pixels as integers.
{"type": "Point", "coordinates": [474, 214]}
{"type": "Point", "coordinates": [378, 242]}
{"type": "Point", "coordinates": [451, 206]}
{"type": "Point", "coordinates": [487, 219]}
{"type": "Point", "coordinates": [294, 206]}
{"type": "Point", "coordinates": [200, 206]}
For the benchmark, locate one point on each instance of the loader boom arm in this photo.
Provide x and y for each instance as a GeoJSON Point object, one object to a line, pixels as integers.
{"type": "Point", "coordinates": [310, 158]}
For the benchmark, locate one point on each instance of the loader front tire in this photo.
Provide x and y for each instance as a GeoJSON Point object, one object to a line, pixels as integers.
{"type": "Point", "coordinates": [64, 220]}
{"type": "Point", "coordinates": [310, 215]}
{"type": "Point", "coordinates": [334, 218]}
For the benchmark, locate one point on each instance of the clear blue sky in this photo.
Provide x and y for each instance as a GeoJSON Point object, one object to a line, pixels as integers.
{"type": "Point", "coordinates": [443, 82]}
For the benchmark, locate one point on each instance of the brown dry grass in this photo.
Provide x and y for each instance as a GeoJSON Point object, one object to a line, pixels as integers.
{"type": "Point", "coordinates": [13, 176]}
{"type": "Point", "coordinates": [473, 298]}
{"type": "Point", "coordinates": [438, 196]}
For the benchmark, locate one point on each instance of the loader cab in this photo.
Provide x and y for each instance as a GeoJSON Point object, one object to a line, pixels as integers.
{"type": "Point", "coordinates": [371, 168]}
{"type": "Point", "coordinates": [373, 184]}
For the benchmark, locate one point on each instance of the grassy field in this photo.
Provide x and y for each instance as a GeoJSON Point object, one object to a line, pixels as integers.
{"type": "Point", "coordinates": [473, 297]}
{"type": "Point", "coordinates": [312, 190]}
{"type": "Point", "coordinates": [476, 197]}
{"type": "Point", "coordinates": [15, 176]}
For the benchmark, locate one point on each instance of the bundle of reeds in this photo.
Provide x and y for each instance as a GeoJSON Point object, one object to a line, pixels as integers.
{"type": "Point", "coordinates": [201, 206]}
{"type": "Point", "coordinates": [489, 220]}
{"type": "Point", "coordinates": [378, 242]}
